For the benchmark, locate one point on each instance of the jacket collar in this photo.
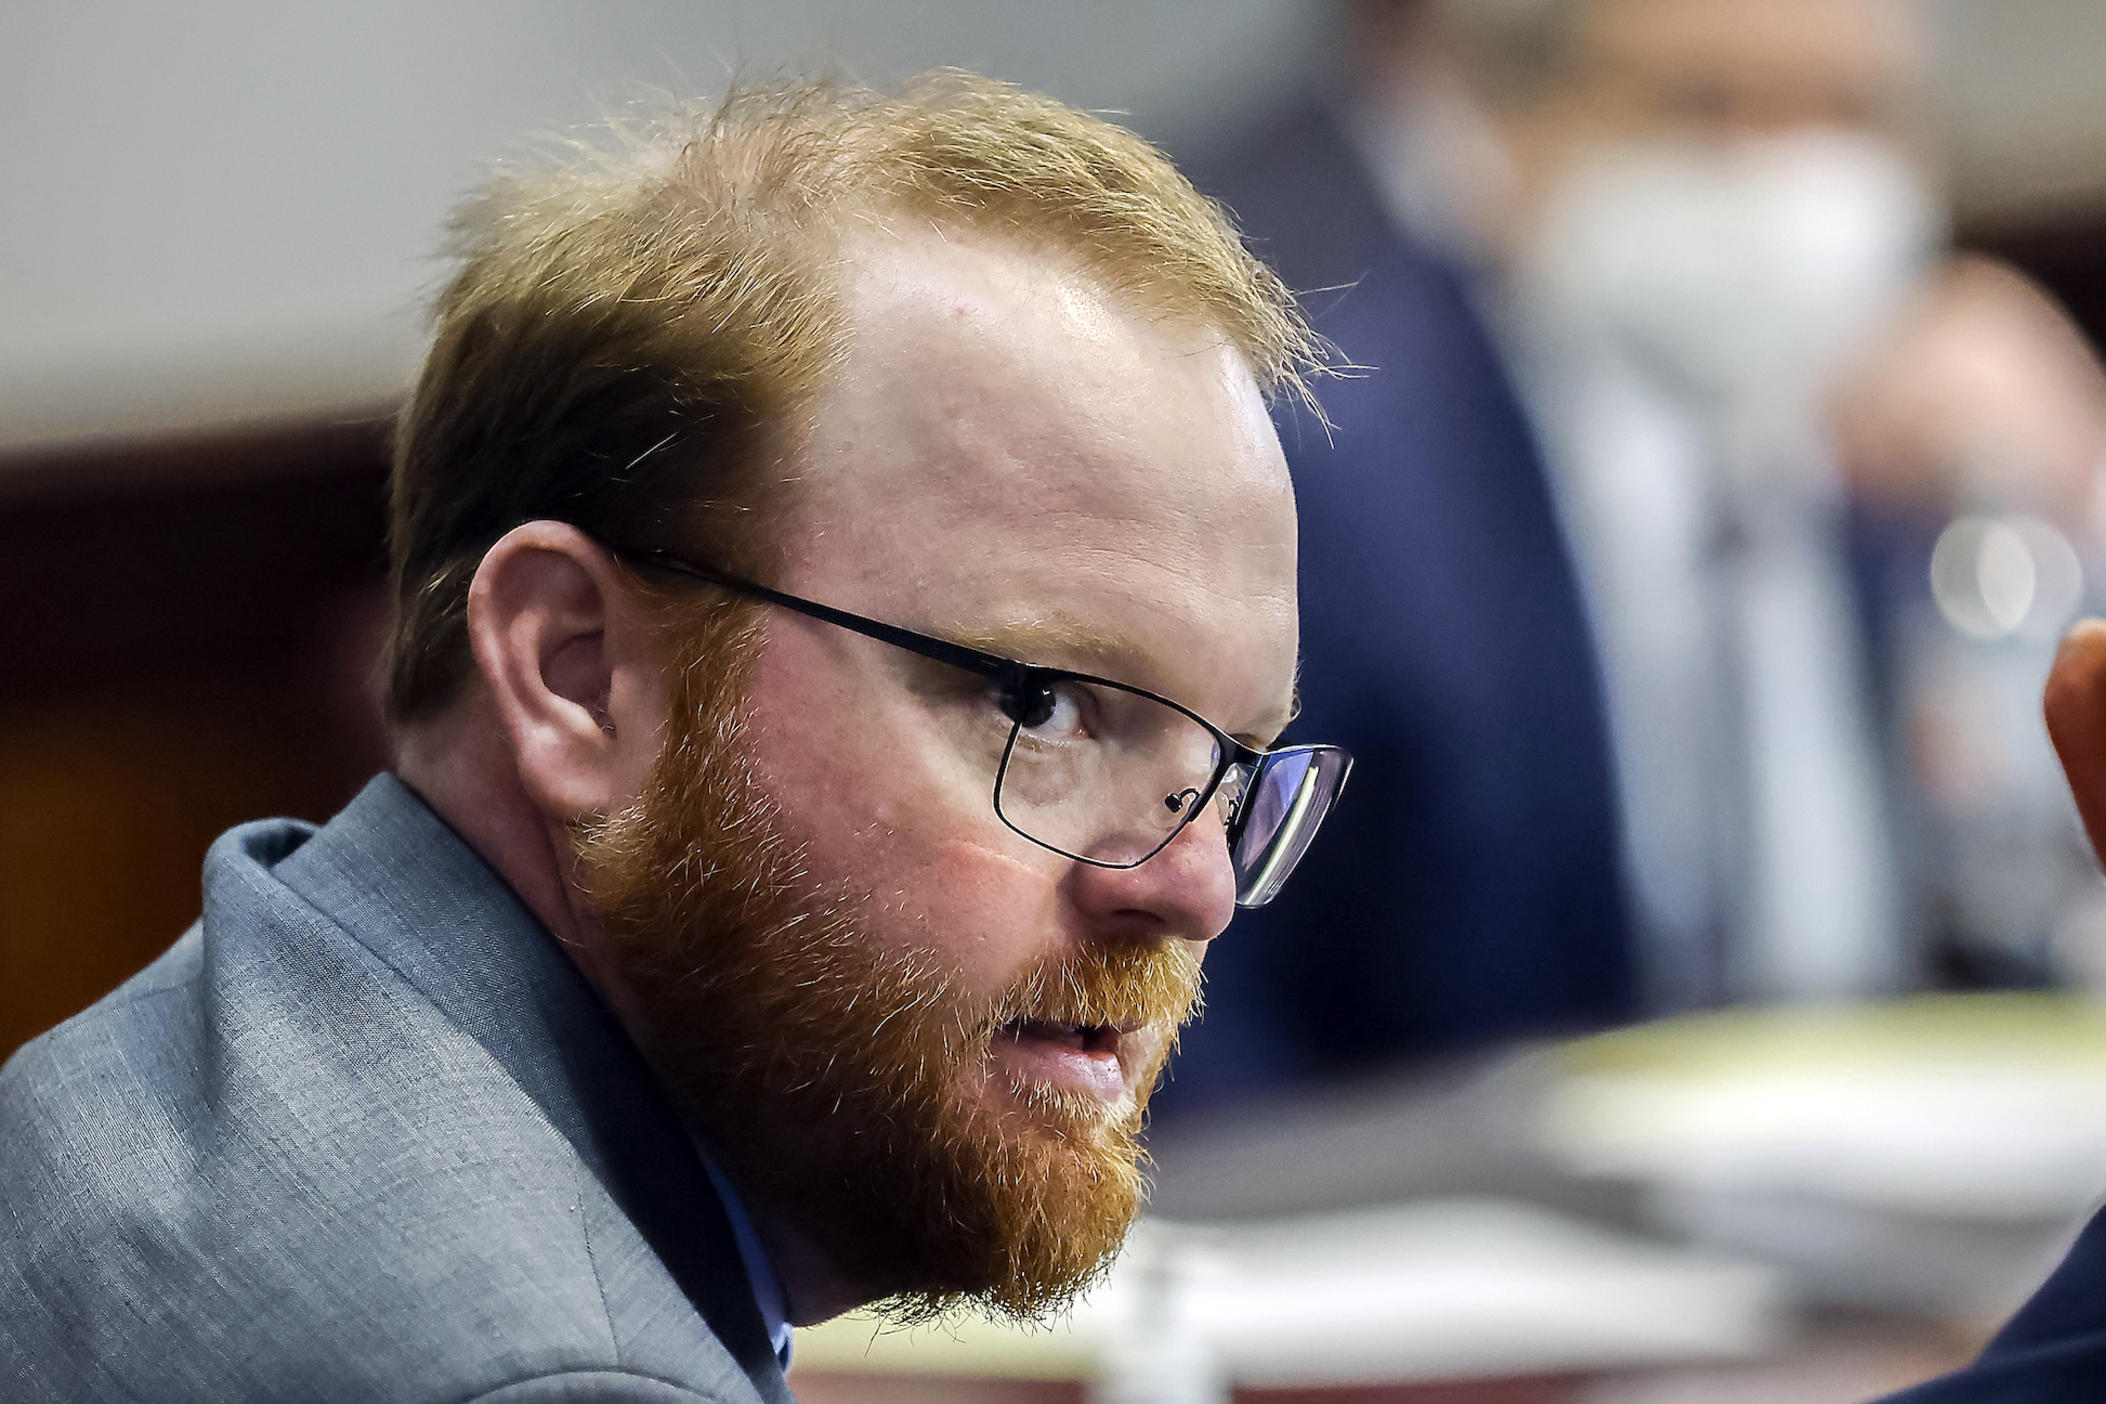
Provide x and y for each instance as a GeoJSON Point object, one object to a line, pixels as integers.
{"type": "Point", "coordinates": [414, 893]}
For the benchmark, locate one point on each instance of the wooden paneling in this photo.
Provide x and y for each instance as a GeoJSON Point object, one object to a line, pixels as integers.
{"type": "Point", "coordinates": [189, 645]}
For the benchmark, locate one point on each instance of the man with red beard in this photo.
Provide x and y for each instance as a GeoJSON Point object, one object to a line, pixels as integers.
{"type": "Point", "coordinates": [845, 608]}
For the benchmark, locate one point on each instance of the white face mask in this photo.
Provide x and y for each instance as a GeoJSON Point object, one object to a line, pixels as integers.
{"type": "Point", "coordinates": [1754, 269]}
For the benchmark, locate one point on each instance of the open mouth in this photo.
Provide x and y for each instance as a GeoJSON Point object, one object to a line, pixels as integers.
{"type": "Point", "coordinates": [1085, 1038]}
{"type": "Point", "coordinates": [1072, 1057]}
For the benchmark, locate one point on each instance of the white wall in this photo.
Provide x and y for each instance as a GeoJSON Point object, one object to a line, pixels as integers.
{"type": "Point", "coordinates": [2023, 83]}
{"type": "Point", "coordinates": [212, 209]}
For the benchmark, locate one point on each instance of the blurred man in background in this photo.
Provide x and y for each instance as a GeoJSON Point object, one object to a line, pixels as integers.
{"type": "Point", "coordinates": [1597, 602]}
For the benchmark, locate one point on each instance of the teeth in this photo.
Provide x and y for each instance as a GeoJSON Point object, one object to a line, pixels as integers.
{"type": "Point", "coordinates": [1057, 1031]}
{"type": "Point", "coordinates": [1101, 1038]}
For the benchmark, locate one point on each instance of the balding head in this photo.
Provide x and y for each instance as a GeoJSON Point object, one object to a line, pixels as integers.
{"type": "Point", "coordinates": [634, 333]}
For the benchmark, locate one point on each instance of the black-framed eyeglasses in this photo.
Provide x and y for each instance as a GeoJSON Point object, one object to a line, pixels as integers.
{"type": "Point", "coordinates": [1104, 772]}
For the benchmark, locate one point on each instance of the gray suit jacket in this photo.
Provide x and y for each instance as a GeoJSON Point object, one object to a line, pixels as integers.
{"type": "Point", "coordinates": [362, 1134]}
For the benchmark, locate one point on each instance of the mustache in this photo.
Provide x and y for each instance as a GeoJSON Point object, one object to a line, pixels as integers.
{"type": "Point", "coordinates": [1124, 984]}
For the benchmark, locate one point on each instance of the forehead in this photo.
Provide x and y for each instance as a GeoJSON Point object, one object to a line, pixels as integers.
{"type": "Point", "coordinates": [1008, 445]}
{"type": "Point", "coordinates": [1873, 46]}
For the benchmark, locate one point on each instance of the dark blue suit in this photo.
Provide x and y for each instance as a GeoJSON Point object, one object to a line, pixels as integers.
{"type": "Point", "coordinates": [1467, 888]}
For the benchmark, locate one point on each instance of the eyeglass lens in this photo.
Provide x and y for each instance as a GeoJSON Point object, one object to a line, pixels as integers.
{"type": "Point", "coordinates": [1110, 776]}
{"type": "Point", "coordinates": [1104, 774]}
{"type": "Point", "coordinates": [1293, 790]}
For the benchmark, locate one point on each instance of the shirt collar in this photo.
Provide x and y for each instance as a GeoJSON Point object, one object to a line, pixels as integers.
{"type": "Point", "coordinates": [767, 1289]}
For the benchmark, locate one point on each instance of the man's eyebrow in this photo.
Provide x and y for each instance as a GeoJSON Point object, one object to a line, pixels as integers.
{"type": "Point", "coordinates": [1064, 641]}
{"type": "Point", "coordinates": [1280, 720]}
{"type": "Point", "coordinates": [1269, 727]}
{"type": "Point", "coordinates": [1057, 641]}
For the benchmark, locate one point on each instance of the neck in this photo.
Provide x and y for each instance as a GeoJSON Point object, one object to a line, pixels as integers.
{"type": "Point", "coordinates": [813, 1288]}
{"type": "Point", "coordinates": [459, 764]}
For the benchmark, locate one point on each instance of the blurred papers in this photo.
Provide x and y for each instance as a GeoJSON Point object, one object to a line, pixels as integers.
{"type": "Point", "coordinates": [1433, 1290]}
{"type": "Point", "coordinates": [1931, 1156]}
{"type": "Point", "coordinates": [1980, 1107]}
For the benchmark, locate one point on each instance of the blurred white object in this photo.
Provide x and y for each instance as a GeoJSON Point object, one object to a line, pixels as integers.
{"type": "Point", "coordinates": [1156, 1351]}
{"type": "Point", "coordinates": [1752, 268]}
{"type": "Point", "coordinates": [1455, 1288]}
{"type": "Point", "coordinates": [1997, 576]}
{"type": "Point", "coordinates": [1978, 1107]}
{"type": "Point", "coordinates": [1932, 1154]}
{"type": "Point", "coordinates": [1440, 1289]}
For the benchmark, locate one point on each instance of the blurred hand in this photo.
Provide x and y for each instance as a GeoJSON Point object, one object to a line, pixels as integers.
{"type": "Point", "coordinates": [1985, 396]}
{"type": "Point", "coordinates": [2076, 720]}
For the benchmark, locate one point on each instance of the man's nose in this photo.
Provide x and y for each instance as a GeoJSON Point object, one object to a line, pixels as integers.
{"type": "Point", "coordinates": [1185, 892]}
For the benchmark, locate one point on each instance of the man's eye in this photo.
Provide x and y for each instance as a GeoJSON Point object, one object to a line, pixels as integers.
{"type": "Point", "coordinates": [1050, 713]}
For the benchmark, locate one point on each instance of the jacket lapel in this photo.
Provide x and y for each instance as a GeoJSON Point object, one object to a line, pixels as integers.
{"type": "Point", "coordinates": [415, 894]}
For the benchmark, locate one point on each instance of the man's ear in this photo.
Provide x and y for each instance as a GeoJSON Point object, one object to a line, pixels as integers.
{"type": "Point", "coordinates": [571, 669]}
{"type": "Point", "coordinates": [2076, 719]}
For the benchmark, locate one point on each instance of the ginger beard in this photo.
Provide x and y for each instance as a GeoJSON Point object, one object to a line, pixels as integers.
{"type": "Point", "coordinates": [843, 1078]}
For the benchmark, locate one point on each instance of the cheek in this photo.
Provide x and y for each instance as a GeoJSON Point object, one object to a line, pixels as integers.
{"type": "Point", "coordinates": [987, 916]}
{"type": "Point", "coordinates": [917, 841]}
{"type": "Point", "coordinates": [841, 762]}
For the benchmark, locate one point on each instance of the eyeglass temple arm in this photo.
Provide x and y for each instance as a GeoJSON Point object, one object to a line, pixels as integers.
{"type": "Point", "coordinates": [986, 665]}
